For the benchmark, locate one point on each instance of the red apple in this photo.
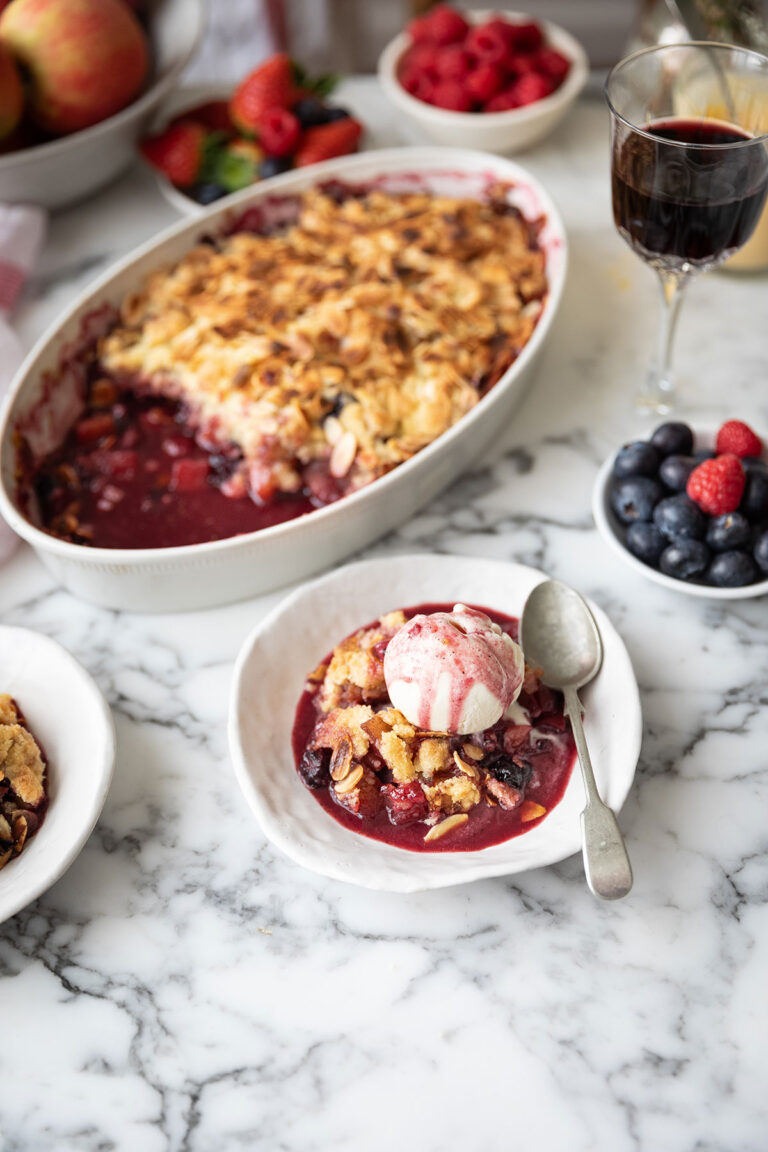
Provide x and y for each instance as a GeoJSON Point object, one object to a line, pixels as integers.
{"type": "Point", "coordinates": [11, 94]}
{"type": "Point", "coordinates": [86, 59]}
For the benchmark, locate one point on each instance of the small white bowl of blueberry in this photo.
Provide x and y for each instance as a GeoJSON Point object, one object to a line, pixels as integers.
{"type": "Point", "coordinates": [690, 511]}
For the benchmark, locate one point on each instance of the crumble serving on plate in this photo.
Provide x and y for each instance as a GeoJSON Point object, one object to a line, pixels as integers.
{"type": "Point", "coordinates": [421, 789]}
{"type": "Point", "coordinates": [334, 348]}
{"type": "Point", "coordinates": [23, 796]}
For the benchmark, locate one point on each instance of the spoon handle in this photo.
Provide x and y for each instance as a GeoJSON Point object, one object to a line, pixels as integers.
{"type": "Point", "coordinates": [606, 863]}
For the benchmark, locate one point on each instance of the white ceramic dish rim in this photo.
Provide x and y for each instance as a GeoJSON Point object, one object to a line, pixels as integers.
{"type": "Point", "coordinates": [568, 90]}
{"type": "Point", "coordinates": [144, 103]}
{"type": "Point", "coordinates": [435, 159]}
{"type": "Point", "coordinates": [605, 525]}
{"type": "Point", "coordinates": [451, 868]}
{"type": "Point", "coordinates": [39, 882]}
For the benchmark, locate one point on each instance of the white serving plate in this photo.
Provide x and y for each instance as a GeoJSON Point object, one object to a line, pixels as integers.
{"type": "Point", "coordinates": [504, 132]}
{"type": "Point", "coordinates": [269, 679]}
{"type": "Point", "coordinates": [609, 527]}
{"type": "Point", "coordinates": [200, 575]}
{"type": "Point", "coordinates": [63, 171]}
{"type": "Point", "coordinates": [68, 714]}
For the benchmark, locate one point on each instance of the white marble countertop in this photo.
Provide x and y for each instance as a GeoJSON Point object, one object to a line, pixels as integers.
{"type": "Point", "coordinates": [185, 987]}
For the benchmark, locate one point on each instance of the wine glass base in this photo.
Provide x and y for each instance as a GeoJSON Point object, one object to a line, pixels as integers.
{"type": "Point", "coordinates": [651, 401]}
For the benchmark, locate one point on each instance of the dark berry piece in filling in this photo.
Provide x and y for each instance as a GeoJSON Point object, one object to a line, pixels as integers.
{"type": "Point", "coordinates": [685, 559]}
{"type": "Point", "coordinates": [636, 459]}
{"type": "Point", "coordinates": [678, 516]}
{"type": "Point", "coordinates": [673, 439]}
{"type": "Point", "coordinates": [313, 767]}
{"type": "Point", "coordinates": [761, 552]}
{"type": "Point", "coordinates": [406, 803]}
{"type": "Point", "coordinates": [514, 772]}
{"type": "Point", "coordinates": [754, 502]}
{"type": "Point", "coordinates": [635, 497]}
{"type": "Point", "coordinates": [727, 532]}
{"type": "Point", "coordinates": [675, 470]}
{"type": "Point", "coordinates": [732, 570]}
{"type": "Point", "coordinates": [646, 542]}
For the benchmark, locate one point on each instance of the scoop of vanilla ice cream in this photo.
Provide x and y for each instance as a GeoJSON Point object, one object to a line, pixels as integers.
{"type": "Point", "coordinates": [453, 671]}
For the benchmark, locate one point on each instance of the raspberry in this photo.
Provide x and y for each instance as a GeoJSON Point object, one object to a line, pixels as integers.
{"type": "Point", "coordinates": [489, 42]}
{"type": "Point", "coordinates": [452, 95]}
{"type": "Point", "coordinates": [737, 439]}
{"type": "Point", "coordinates": [532, 87]}
{"type": "Point", "coordinates": [503, 101]}
{"type": "Point", "coordinates": [445, 25]}
{"type": "Point", "coordinates": [484, 82]}
{"type": "Point", "coordinates": [717, 485]}
{"type": "Point", "coordinates": [422, 58]}
{"type": "Point", "coordinates": [454, 63]}
{"type": "Point", "coordinates": [553, 64]}
{"type": "Point", "coordinates": [419, 84]}
{"type": "Point", "coordinates": [521, 63]}
{"type": "Point", "coordinates": [419, 31]}
{"type": "Point", "coordinates": [279, 132]}
{"type": "Point", "coordinates": [525, 37]}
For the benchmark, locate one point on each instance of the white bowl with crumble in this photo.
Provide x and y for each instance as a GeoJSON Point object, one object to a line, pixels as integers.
{"type": "Point", "coordinates": [406, 744]}
{"type": "Point", "coordinates": [57, 751]}
{"type": "Point", "coordinates": [271, 386]}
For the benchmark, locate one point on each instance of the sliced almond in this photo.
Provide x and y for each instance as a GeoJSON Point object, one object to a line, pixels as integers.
{"type": "Point", "coordinates": [472, 752]}
{"type": "Point", "coordinates": [529, 810]}
{"type": "Point", "coordinates": [422, 732]}
{"type": "Point", "coordinates": [341, 761]}
{"type": "Point", "coordinates": [463, 766]}
{"type": "Point", "coordinates": [333, 430]}
{"type": "Point", "coordinates": [447, 825]}
{"type": "Point", "coordinates": [343, 455]}
{"type": "Point", "coordinates": [350, 782]}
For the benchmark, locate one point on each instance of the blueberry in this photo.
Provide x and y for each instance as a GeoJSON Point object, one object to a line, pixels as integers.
{"type": "Point", "coordinates": [673, 439]}
{"type": "Point", "coordinates": [309, 112]}
{"type": "Point", "coordinates": [728, 532]}
{"type": "Point", "coordinates": [675, 470]}
{"type": "Point", "coordinates": [677, 516]}
{"type": "Point", "coordinates": [732, 570]}
{"type": "Point", "coordinates": [754, 464]}
{"type": "Point", "coordinates": [634, 497]}
{"type": "Point", "coordinates": [684, 559]}
{"type": "Point", "coordinates": [761, 552]}
{"type": "Point", "coordinates": [334, 114]}
{"type": "Point", "coordinates": [273, 166]}
{"type": "Point", "coordinates": [646, 542]}
{"type": "Point", "coordinates": [704, 454]}
{"type": "Point", "coordinates": [636, 459]}
{"type": "Point", "coordinates": [754, 502]}
{"type": "Point", "coordinates": [314, 767]}
{"type": "Point", "coordinates": [207, 193]}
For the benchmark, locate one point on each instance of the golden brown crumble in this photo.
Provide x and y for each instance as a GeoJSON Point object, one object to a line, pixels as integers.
{"type": "Point", "coordinates": [22, 781]}
{"type": "Point", "coordinates": [353, 338]}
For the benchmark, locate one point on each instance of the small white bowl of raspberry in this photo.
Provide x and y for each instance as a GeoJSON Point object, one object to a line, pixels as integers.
{"type": "Point", "coordinates": [498, 81]}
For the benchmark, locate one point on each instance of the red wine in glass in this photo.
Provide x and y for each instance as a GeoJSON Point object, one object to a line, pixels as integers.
{"type": "Point", "coordinates": [692, 205]}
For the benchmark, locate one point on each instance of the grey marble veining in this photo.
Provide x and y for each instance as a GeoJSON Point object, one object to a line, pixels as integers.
{"type": "Point", "coordinates": [185, 987]}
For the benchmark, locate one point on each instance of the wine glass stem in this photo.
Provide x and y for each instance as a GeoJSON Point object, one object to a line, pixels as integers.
{"type": "Point", "coordinates": [660, 389]}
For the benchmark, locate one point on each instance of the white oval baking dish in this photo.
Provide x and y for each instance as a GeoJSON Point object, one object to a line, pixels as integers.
{"type": "Point", "coordinates": [201, 575]}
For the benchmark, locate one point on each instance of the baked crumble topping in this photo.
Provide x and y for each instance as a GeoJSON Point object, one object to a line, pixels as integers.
{"type": "Point", "coordinates": [335, 349]}
{"type": "Point", "coordinates": [358, 751]}
{"type": "Point", "coordinates": [23, 797]}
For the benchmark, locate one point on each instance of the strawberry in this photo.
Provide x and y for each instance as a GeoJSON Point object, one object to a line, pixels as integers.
{"type": "Point", "coordinates": [328, 140]}
{"type": "Point", "coordinates": [178, 152]}
{"type": "Point", "coordinates": [717, 485]}
{"type": "Point", "coordinates": [269, 86]}
{"type": "Point", "coordinates": [484, 82]}
{"type": "Point", "coordinates": [213, 115]}
{"type": "Point", "coordinates": [279, 132]}
{"type": "Point", "coordinates": [738, 439]}
{"type": "Point", "coordinates": [452, 95]}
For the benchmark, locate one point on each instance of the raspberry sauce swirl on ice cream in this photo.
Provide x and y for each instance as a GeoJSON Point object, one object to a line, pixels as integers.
{"type": "Point", "coordinates": [453, 671]}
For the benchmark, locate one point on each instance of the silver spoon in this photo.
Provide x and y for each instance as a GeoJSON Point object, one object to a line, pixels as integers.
{"type": "Point", "coordinates": [559, 635]}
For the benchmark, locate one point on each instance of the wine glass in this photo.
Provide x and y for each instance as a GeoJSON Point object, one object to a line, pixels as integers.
{"type": "Point", "coordinates": [689, 169]}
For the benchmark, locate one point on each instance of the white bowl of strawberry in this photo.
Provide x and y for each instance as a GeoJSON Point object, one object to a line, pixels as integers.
{"type": "Point", "coordinates": [500, 81]}
{"type": "Point", "coordinates": [219, 141]}
{"type": "Point", "coordinates": [690, 510]}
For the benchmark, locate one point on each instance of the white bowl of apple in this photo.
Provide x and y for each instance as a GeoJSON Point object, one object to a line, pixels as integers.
{"type": "Point", "coordinates": [69, 120]}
